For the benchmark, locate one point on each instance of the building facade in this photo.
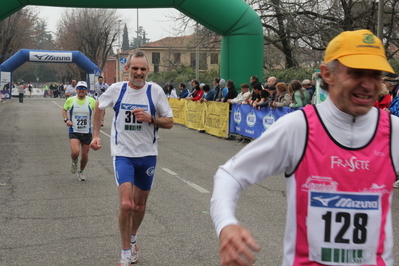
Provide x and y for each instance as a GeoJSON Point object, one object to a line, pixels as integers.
{"type": "Point", "coordinates": [169, 53]}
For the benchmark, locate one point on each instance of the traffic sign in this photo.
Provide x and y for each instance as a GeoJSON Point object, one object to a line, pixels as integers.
{"type": "Point", "coordinates": [122, 60]}
{"type": "Point", "coordinates": [97, 73]}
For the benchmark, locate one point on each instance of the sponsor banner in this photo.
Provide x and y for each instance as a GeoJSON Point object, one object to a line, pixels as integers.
{"type": "Point", "coordinates": [54, 57]}
{"type": "Point", "coordinates": [212, 117]}
{"type": "Point", "coordinates": [179, 110]}
{"type": "Point", "coordinates": [216, 118]}
{"type": "Point", "coordinates": [250, 122]}
{"type": "Point", "coordinates": [195, 115]}
{"type": "Point", "coordinates": [5, 78]}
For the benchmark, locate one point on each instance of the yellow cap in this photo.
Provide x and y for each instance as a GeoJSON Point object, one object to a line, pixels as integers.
{"type": "Point", "coordinates": [358, 49]}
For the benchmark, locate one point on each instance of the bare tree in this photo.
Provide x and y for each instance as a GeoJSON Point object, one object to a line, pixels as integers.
{"type": "Point", "coordinates": [90, 31]}
{"type": "Point", "coordinates": [17, 32]}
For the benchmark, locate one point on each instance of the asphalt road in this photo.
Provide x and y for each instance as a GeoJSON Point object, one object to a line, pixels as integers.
{"type": "Point", "coordinates": [48, 217]}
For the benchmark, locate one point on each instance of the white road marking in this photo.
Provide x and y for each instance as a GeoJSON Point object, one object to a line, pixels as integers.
{"type": "Point", "coordinates": [191, 184]}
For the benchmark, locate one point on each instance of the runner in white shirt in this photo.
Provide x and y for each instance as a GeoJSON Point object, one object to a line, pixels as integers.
{"type": "Point", "coordinates": [351, 190]}
{"type": "Point", "coordinates": [100, 88]}
{"type": "Point", "coordinates": [140, 109]}
{"type": "Point", "coordinates": [70, 90]}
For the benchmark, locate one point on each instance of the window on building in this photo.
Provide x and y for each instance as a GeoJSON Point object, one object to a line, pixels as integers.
{"type": "Point", "coordinates": [192, 60]}
{"type": "Point", "coordinates": [203, 65]}
{"type": "Point", "coordinates": [176, 58]}
{"type": "Point", "coordinates": [156, 59]}
{"type": "Point", "coordinates": [214, 58]}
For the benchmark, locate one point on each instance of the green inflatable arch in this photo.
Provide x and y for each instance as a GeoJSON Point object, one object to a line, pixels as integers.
{"type": "Point", "coordinates": [235, 20]}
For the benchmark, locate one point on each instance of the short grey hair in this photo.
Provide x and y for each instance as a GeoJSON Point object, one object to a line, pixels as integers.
{"type": "Point", "coordinates": [332, 65]}
{"type": "Point", "coordinates": [136, 54]}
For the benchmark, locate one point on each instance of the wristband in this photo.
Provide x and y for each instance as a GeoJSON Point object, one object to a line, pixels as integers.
{"type": "Point", "coordinates": [65, 120]}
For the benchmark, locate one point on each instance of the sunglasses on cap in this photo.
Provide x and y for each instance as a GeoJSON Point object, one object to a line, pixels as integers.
{"type": "Point", "coordinates": [81, 88]}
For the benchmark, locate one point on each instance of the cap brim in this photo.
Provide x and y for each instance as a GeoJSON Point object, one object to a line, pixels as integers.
{"type": "Point", "coordinates": [360, 61]}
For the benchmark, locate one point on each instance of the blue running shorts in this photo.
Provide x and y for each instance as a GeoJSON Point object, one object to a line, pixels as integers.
{"type": "Point", "coordinates": [138, 171]}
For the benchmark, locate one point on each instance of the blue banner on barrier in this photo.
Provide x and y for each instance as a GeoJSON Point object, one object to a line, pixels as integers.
{"type": "Point", "coordinates": [250, 122]}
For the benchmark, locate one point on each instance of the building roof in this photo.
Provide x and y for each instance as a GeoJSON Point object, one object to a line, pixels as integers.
{"type": "Point", "coordinates": [188, 41]}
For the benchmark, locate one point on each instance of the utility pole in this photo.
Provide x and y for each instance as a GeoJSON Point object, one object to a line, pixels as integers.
{"type": "Point", "coordinates": [197, 55]}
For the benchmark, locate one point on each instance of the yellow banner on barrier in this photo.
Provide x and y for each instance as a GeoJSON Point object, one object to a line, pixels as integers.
{"type": "Point", "coordinates": [179, 110]}
{"type": "Point", "coordinates": [216, 118]}
{"type": "Point", "coordinates": [195, 115]}
{"type": "Point", "coordinates": [212, 117]}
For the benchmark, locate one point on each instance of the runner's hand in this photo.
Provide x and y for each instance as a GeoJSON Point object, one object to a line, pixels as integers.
{"type": "Point", "coordinates": [96, 144]}
{"type": "Point", "coordinates": [237, 246]}
{"type": "Point", "coordinates": [141, 115]}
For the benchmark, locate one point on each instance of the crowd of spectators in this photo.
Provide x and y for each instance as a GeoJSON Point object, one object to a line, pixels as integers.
{"type": "Point", "coordinates": [273, 94]}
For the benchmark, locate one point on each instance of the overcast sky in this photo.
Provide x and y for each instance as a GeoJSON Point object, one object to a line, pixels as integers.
{"type": "Point", "coordinates": [156, 22]}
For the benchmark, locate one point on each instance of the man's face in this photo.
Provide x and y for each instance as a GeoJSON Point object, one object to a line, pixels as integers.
{"type": "Point", "coordinates": [81, 93]}
{"type": "Point", "coordinates": [138, 71]}
{"type": "Point", "coordinates": [388, 85]}
{"type": "Point", "coordinates": [353, 90]}
{"type": "Point", "coordinates": [73, 83]}
{"type": "Point", "coordinates": [270, 82]}
{"type": "Point", "coordinates": [306, 86]}
{"type": "Point", "coordinates": [100, 80]}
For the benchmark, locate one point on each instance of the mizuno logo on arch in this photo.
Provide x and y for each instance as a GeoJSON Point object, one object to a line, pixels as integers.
{"type": "Point", "coordinates": [49, 57]}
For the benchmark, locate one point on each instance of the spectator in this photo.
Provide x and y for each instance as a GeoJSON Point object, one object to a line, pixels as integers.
{"type": "Point", "coordinates": [100, 86]}
{"type": "Point", "coordinates": [61, 90]}
{"type": "Point", "coordinates": [384, 98]}
{"type": "Point", "coordinates": [183, 91]}
{"type": "Point", "coordinates": [45, 90]}
{"type": "Point", "coordinates": [242, 95]}
{"type": "Point", "coordinates": [252, 97]}
{"type": "Point", "coordinates": [217, 87]}
{"type": "Point", "coordinates": [391, 82]}
{"type": "Point", "coordinates": [253, 79]}
{"type": "Point", "coordinates": [262, 95]}
{"type": "Point", "coordinates": [300, 95]}
{"type": "Point", "coordinates": [21, 92]}
{"type": "Point", "coordinates": [54, 89]}
{"type": "Point", "coordinates": [283, 98]}
{"type": "Point", "coordinates": [196, 89]}
{"type": "Point", "coordinates": [256, 91]}
{"type": "Point", "coordinates": [271, 84]}
{"type": "Point", "coordinates": [231, 91]}
{"type": "Point", "coordinates": [209, 94]}
{"type": "Point", "coordinates": [30, 88]}
{"type": "Point", "coordinates": [171, 91]}
{"type": "Point", "coordinates": [307, 84]}
{"type": "Point", "coordinates": [198, 93]}
{"type": "Point", "coordinates": [219, 96]}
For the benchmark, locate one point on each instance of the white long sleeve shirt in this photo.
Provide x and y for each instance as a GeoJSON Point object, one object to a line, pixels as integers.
{"type": "Point", "coordinates": [279, 150]}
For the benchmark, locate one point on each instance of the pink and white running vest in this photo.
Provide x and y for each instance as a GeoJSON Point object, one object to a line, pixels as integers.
{"type": "Point", "coordinates": [342, 199]}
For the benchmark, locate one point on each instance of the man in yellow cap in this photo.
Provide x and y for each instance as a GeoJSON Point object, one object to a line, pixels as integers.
{"type": "Point", "coordinates": [339, 164]}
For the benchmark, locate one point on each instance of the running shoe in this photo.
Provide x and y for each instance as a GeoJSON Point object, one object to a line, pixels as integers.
{"type": "Point", "coordinates": [396, 184]}
{"type": "Point", "coordinates": [135, 252]}
{"type": "Point", "coordinates": [124, 262]}
{"type": "Point", "coordinates": [74, 167]}
{"type": "Point", "coordinates": [81, 176]}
